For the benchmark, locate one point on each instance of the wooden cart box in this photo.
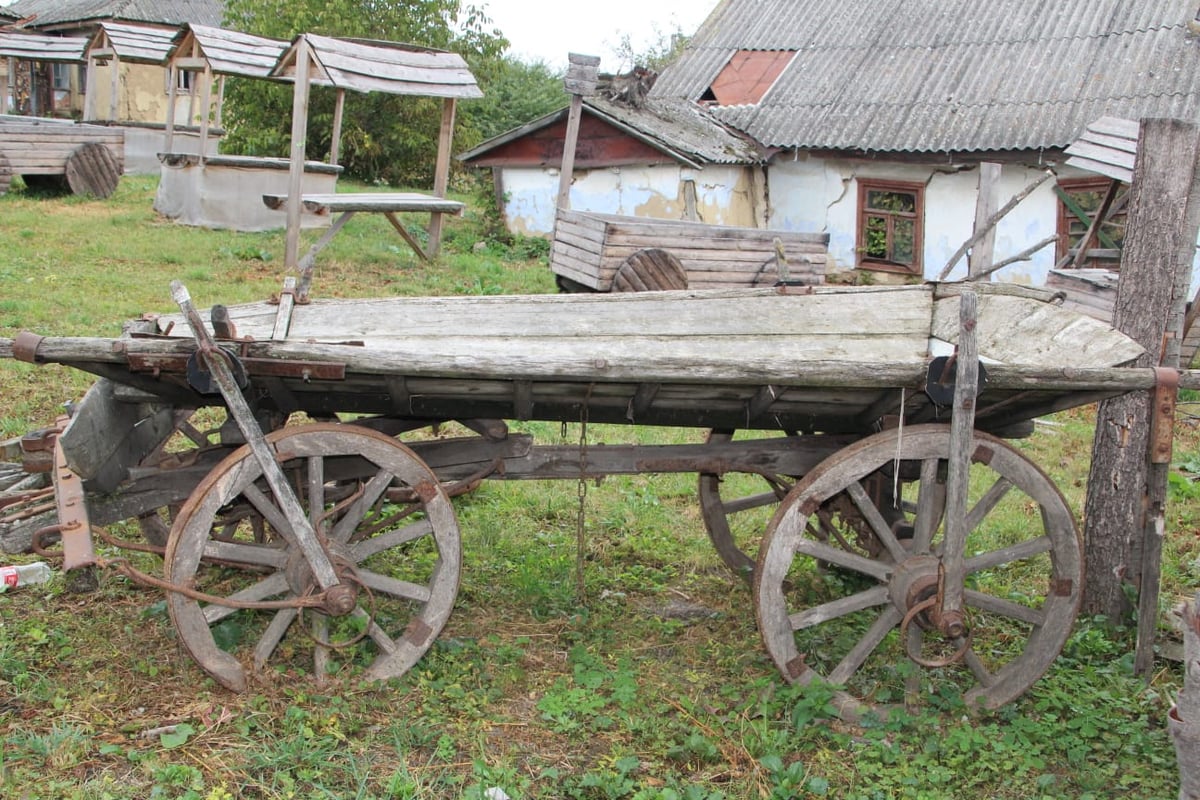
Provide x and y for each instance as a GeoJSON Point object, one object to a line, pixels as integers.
{"type": "Point", "coordinates": [90, 158]}
{"type": "Point", "coordinates": [589, 248]}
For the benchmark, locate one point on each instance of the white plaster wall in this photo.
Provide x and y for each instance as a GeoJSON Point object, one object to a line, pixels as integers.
{"type": "Point", "coordinates": [821, 195]}
{"type": "Point", "coordinates": [723, 196]}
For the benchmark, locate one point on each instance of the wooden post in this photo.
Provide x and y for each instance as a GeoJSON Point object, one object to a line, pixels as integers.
{"type": "Point", "coordinates": [335, 142]}
{"type": "Point", "coordinates": [441, 173]}
{"type": "Point", "coordinates": [206, 109]}
{"type": "Point", "coordinates": [1123, 511]}
{"type": "Point", "coordinates": [296, 168]}
{"type": "Point", "coordinates": [962, 435]}
{"type": "Point", "coordinates": [172, 77]}
{"type": "Point", "coordinates": [986, 203]}
{"type": "Point", "coordinates": [582, 75]}
{"type": "Point", "coordinates": [89, 91]}
{"type": "Point", "coordinates": [115, 65]}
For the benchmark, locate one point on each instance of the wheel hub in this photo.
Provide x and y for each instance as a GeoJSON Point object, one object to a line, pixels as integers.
{"type": "Point", "coordinates": [337, 601]}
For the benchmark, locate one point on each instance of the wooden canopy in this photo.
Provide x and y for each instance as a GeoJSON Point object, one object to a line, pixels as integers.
{"type": "Point", "coordinates": [36, 47]}
{"type": "Point", "coordinates": [118, 42]}
{"type": "Point", "coordinates": [223, 52]}
{"type": "Point", "coordinates": [216, 52]}
{"type": "Point", "coordinates": [375, 66]}
{"type": "Point", "coordinates": [136, 44]}
{"type": "Point", "coordinates": [368, 66]}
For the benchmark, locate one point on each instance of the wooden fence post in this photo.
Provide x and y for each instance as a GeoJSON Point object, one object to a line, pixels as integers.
{"type": "Point", "coordinates": [1123, 513]}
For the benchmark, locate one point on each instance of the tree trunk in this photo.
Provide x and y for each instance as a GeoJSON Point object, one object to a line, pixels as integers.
{"type": "Point", "coordinates": [1159, 245]}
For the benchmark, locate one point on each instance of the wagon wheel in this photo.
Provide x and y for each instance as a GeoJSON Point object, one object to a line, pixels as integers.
{"type": "Point", "coordinates": [873, 637]}
{"type": "Point", "coordinates": [399, 562]}
{"type": "Point", "coordinates": [737, 508]}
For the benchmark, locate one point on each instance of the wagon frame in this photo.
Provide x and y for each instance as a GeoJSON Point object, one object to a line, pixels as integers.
{"type": "Point", "coordinates": [870, 478]}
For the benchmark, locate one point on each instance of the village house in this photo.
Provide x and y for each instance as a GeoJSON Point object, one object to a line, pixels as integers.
{"type": "Point", "coordinates": [59, 89]}
{"type": "Point", "coordinates": [870, 121]}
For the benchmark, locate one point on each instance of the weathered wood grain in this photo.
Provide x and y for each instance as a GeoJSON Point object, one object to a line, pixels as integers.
{"type": "Point", "coordinates": [92, 169]}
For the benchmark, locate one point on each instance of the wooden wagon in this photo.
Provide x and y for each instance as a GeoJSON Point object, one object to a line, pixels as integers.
{"type": "Point", "coordinates": [869, 423]}
{"type": "Point", "coordinates": [88, 159]}
{"type": "Point", "coordinates": [607, 252]}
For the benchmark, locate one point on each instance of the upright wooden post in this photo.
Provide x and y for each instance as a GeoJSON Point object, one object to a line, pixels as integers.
{"type": "Point", "coordinates": [291, 252]}
{"type": "Point", "coordinates": [335, 142]}
{"type": "Point", "coordinates": [1127, 484]}
{"type": "Point", "coordinates": [114, 64]}
{"type": "Point", "coordinates": [582, 75]}
{"type": "Point", "coordinates": [988, 200]}
{"type": "Point", "coordinates": [206, 108]}
{"type": "Point", "coordinates": [441, 173]}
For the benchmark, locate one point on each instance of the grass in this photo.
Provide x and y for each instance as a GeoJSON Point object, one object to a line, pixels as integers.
{"type": "Point", "coordinates": [656, 687]}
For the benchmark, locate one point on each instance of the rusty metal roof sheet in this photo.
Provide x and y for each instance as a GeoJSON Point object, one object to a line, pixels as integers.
{"type": "Point", "coordinates": [947, 75]}
{"type": "Point", "coordinates": [171, 12]}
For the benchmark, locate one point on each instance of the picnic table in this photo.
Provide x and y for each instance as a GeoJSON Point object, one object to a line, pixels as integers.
{"type": "Point", "coordinates": [347, 205]}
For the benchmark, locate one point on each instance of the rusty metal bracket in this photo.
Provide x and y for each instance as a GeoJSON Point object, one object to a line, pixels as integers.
{"type": "Point", "coordinates": [73, 521]}
{"type": "Point", "coordinates": [25, 347]}
{"type": "Point", "coordinates": [1162, 414]}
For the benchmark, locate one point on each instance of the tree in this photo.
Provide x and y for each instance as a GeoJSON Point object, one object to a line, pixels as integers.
{"type": "Point", "coordinates": [385, 137]}
{"type": "Point", "coordinates": [515, 93]}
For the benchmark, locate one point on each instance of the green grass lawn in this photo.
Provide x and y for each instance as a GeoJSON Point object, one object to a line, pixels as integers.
{"type": "Point", "coordinates": [655, 687]}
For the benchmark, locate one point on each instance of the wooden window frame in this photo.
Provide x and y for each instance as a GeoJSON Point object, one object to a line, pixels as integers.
{"type": "Point", "coordinates": [867, 185]}
{"type": "Point", "coordinates": [1066, 218]}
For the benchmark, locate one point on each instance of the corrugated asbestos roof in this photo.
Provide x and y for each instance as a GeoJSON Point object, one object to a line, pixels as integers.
{"type": "Point", "coordinates": [173, 12]}
{"type": "Point", "coordinates": [947, 75]}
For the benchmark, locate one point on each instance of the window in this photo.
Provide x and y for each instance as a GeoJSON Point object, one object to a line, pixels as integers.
{"type": "Point", "coordinates": [184, 81]}
{"type": "Point", "coordinates": [1078, 202]}
{"type": "Point", "coordinates": [61, 77]}
{"type": "Point", "coordinates": [889, 225]}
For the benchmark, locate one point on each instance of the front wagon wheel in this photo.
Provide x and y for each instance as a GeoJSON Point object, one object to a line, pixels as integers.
{"type": "Point", "coordinates": [385, 523]}
{"type": "Point", "coordinates": [866, 628]}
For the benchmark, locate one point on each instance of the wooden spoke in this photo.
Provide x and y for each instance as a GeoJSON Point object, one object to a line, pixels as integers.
{"type": "Point", "coordinates": [881, 529]}
{"type": "Point", "coordinates": [394, 587]}
{"type": "Point", "coordinates": [849, 665]}
{"type": "Point", "coordinates": [1005, 608]}
{"type": "Point", "coordinates": [273, 635]}
{"type": "Point", "coordinates": [1008, 555]}
{"type": "Point", "coordinates": [989, 502]}
{"type": "Point", "coordinates": [270, 586]}
{"type": "Point", "coordinates": [845, 629]}
{"type": "Point", "coordinates": [361, 506]}
{"type": "Point", "coordinates": [398, 568]}
{"type": "Point", "coordinates": [931, 499]}
{"type": "Point", "coordinates": [875, 596]}
{"type": "Point", "coordinates": [394, 538]}
{"type": "Point", "coordinates": [843, 558]}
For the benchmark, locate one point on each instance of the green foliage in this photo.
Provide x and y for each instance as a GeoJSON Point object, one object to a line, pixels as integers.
{"type": "Point", "coordinates": [514, 93]}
